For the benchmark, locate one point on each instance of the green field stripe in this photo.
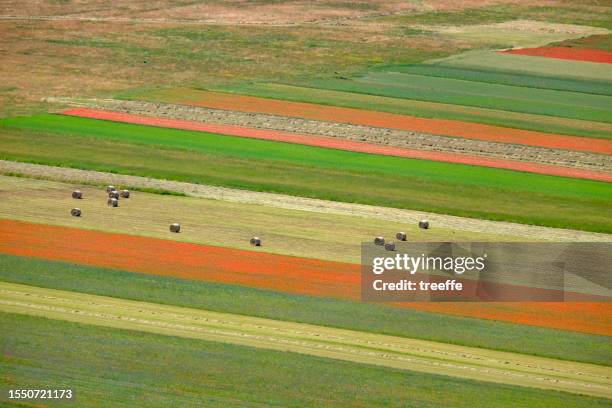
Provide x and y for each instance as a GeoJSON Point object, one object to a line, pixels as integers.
{"type": "Point", "coordinates": [572, 105]}
{"type": "Point", "coordinates": [540, 123]}
{"type": "Point", "coordinates": [260, 165]}
{"type": "Point", "coordinates": [505, 78]}
{"type": "Point", "coordinates": [525, 64]}
{"type": "Point", "coordinates": [338, 344]}
{"type": "Point", "coordinates": [129, 368]}
{"type": "Point", "coordinates": [343, 314]}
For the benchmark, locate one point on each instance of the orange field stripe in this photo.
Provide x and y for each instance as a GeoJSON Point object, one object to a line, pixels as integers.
{"type": "Point", "coordinates": [567, 53]}
{"type": "Point", "coordinates": [446, 127]}
{"type": "Point", "coordinates": [267, 271]}
{"type": "Point", "coordinates": [340, 144]}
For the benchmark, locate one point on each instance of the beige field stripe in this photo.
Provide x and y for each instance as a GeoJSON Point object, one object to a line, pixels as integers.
{"type": "Point", "coordinates": [369, 348]}
{"type": "Point", "coordinates": [301, 203]}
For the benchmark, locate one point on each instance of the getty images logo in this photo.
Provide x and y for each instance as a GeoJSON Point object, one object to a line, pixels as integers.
{"type": "Point", "coordinates": [413, 264]}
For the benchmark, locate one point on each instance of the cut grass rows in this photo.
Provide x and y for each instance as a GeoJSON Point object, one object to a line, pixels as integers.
{"type": "Point", "coordinates": [259, 165]}
{"type": "Point", "coordinates": [305, 309]}
{"type": "Point", "coordinates": [347, 345]}
{"type": "Point", "coordinates": [192, 373]}
{"type": "Point", "coordinates": [289, 232]}
{"type": "Point", "coordinates": [540, 123]}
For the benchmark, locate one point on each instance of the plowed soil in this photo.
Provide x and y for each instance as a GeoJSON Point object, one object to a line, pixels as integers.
{"type": "Point", "coordinates": [568, 53]}
{"type": "Point", "coordinates": [333, 143]}
{"type": "Point", "coordinates": [263, 270]}
{"type": "Point", "coordinates": [217, 100]}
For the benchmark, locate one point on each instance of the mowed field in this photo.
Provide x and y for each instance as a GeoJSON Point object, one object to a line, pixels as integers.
{"type": "Point", "coordinates": [206, 158]}
{"type": "Point", "coordinates": [343, 144]}
{"type": "Point", "coordinates": [394, 113]}
{"type": "Point", "coordinates": [190, 372]}
{"type": "Point", "coordinates": [383, 350]}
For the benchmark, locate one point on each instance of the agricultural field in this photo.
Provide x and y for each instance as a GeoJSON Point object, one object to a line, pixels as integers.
{"type": "Point", "coordinates": [308, 171]}
{"type": "Point", "coordinates": [171, 370]}
{"type": "Point", "coordinates": [188, 192]}
{"type": "Point", "coordinates": [452, 91]}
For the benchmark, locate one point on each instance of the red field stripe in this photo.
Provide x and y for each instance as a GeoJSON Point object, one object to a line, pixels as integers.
{"type": "Point", "coordinates": [567, 53]}
{"type": "Point", "coordinates": [334, 143]}
{"type": "Point", "coordinates": [455, 128]}
{"type": "Point", "coordinates": [267, 271]}
{"type": "Point", "coordinates": [179, 259]}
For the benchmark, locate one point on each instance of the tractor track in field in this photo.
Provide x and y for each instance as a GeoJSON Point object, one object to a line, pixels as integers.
{"type": "Point", "coordinates": [358, 133]}
{"type": "Point", "coordinates": [368, 348]}
{"type": "Point", "coordinates": [300, 203]}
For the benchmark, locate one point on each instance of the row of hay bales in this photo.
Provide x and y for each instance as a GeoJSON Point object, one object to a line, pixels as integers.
{"type": "Point", "coordinates": [400, 236]}
{"type": "Point", "coordinates": [176, 228]}
{"type": "Point", "coordinates": [113, 201]}
{"type": "Point", "coordinates": [113, 198]}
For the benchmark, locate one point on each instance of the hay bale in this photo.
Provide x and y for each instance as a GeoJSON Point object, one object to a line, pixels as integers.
{"type": "Point", "coordinates": [255, 241]}
{"type": "Point", "coordinates": [77, 194]}
{"type": "Point", "coordinates": [401, 236]}
{"type": "Point", "coordinates": [114, 194]}
{"type": "Point", "coordinates": [112, 202]}
{"type": "Point", "coordinates": [110, 188]}
{"type": "Point", "coordinates": [390, 246]}
{"type": "Point", "coordinates": [125, 193]}
{"type": "Point", "coordinates": [75, 212]}
{"type": "Point", "coordinates": [176, 227]}
{"type": "Point", "coordinates": [424, 224]}
{"type": "Point", "coordinates": [379, 241]}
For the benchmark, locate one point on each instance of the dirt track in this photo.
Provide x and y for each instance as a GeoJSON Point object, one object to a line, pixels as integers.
{"type": "Point", "coordinates": [300, 203]}
{"type": "Point", "coordinates": [359, 133]}
{"type": "Point", "coordinates": [389, 351]}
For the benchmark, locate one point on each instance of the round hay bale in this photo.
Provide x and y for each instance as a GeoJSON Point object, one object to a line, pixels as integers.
{"type": "Point", "coordinates": [112, 202]}
{"type": "Point", "coordinates": [401, 236]}
{"type": "Point", "coordinates": [77, 194]}
{"type": "Point", "coordinates": [75, 212]}
{"type": "Point", "coordinates": [379, 241]}
{"type": "Point", "coordinates": [176, 227]}
{"type": "Point", "coordinates": [390, 246]}
{"type": "Point", "coordinates": [424, 224]}
{"type": "Point", "coordinates": [110, 188]}
{"type": "Point", "coordinates": [113, 194]}
{"type": "Point", "coordinates": [255, 241]}
{"type": "Point", "coordinates": [125, 193]}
